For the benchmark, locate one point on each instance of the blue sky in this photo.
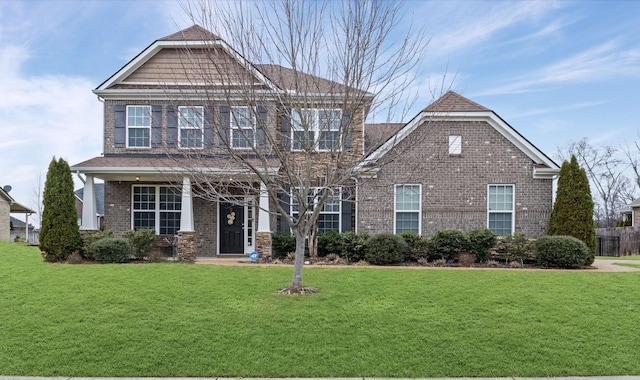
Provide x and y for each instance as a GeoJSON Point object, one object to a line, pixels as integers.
{"type": "Point", "coordinates": [556, 71]}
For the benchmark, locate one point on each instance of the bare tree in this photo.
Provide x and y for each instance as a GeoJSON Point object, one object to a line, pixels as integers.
{"type": "Point", "coordinates": [606, 172]}
{"type": "Point", "coordinates": [293, 128]}
{"type": "Point", "coordinates": [37, 188]}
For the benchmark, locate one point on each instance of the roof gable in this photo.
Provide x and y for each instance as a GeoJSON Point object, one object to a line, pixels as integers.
{"type": "Point", "coordinates": [454, 107]}
{"type": "Point", "coordinates": [192, 33]}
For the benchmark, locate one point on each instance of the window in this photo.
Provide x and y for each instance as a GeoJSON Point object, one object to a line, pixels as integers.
{"type": "Point", "coordinates": [156, 207]}
{"type": "Point", "coordinates": [407, 208]}
{"type": "Point", "coordinates": [316, 128]}
{"type": "Point", "coordinates": [191, 124]}
{"type": "Point", "coordinates": [500, 209]}
{"type": "Point", "coordinates": [138, 126]}
{"type": "Point", "coordinates": [242, 128]}
{"type": "Point", "coordinates": [329, 218]}
{"type": "Point", "coordinates": [455, 145]}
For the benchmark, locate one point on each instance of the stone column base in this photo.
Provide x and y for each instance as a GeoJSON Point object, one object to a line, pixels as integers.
{"type": "Point", "coordinates": [263, 244]}
{"type": "Point", "coordinates": [187, 247]}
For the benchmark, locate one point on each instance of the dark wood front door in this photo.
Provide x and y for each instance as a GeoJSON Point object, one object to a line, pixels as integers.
{"type": "Point", "coordinates": [231, 221]}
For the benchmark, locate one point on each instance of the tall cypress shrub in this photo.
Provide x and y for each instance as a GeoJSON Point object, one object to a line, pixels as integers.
{"type": "Point", "coordinates": [572, 213]}
{"type": "Point", "coordinates": [59, 232]}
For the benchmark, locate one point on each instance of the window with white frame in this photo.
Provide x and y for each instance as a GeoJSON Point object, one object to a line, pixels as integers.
{"type": "Point", "coordinates": [138, 126]}
{"type": "Point", "coordinates": [329, 218]}
{"type": "Point", "coordinates": [191, 125]}
{"type": "Point", "coordinates": [455, 144]}
{"type": "Point", "coordinates": [408, 203]}
{"type": "Point", "coordinates": [500, 209]}
{"type": "Point", "coordinates": [316, 128]}
{"type": "Point", "coordinates": [156, 207]}
{"type": "Point", "coordinates": [242, 127]}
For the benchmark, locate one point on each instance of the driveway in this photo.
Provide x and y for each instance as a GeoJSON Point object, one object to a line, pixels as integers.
{"type": "Point", "coordinates": [610, 265]}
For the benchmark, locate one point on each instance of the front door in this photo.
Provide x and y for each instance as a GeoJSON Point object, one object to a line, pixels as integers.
{"type": "Point", "coordinates": [231, 222]}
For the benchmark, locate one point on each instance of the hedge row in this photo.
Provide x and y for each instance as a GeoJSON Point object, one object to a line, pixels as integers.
{"type": "Point", "coordinates": [103, 247]}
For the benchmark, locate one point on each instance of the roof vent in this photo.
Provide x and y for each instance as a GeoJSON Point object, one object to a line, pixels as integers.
{"type": "Point", "coordinates": [7, 189]}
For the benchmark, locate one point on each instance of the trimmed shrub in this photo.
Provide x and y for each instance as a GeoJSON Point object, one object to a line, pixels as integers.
{"type": "Point", "coordinates": [481, 241]}
{"type": "Point", "coordinates": [447, 244]}
{"type": "Point", "coordinates": [353, 246]}
{"type": "Point", "coordinates": [142, 241]}
{"type": "Point", "coordinates": [329, 242]}
{"type": "Point", "coordinates": [466, 259]}
{"type": "Point", "coordinates": [561, 252]}
{"type": "Point", "coordinates": [418, 247]}
{"type": "Point", "coordinates": [383, 249]}
{"type": "Point", "coordinates": [518, 247]}
{"type": "Point", "coordinates": [282, 243]}
{"type": "Point", "coordinates": [111, 250]}
{"type": "Point", "coordinates": [88, 238]}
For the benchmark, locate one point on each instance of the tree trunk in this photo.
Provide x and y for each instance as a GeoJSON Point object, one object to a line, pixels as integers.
{"type": "Point", "coordinates": [296, 282]}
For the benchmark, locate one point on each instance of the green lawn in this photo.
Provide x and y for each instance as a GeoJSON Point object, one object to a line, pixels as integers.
{"type": "Point", "coordinates": [198, 320]}
{"type": "Point", "coordinates": [633, 257]}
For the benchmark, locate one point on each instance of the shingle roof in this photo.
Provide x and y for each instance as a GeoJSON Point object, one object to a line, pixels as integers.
{"type": "Point", "coordinates": [454, 102]}
{"type": "Point", "coordinates": [158, 162]}
{"type": "Point", "coordinates": [377, 134]}
{"type": "Point", "coordinates": [192, 33]}
{"type": "Point", "coordinates": [290, 79]}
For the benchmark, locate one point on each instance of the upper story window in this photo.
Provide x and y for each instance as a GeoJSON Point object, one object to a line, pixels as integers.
{"type": "Point", "coordinates": [317, 129]}
{"type": "Point", "coordinates": [138, 126]}
{"type": "Point", "coordinates": [242, 128]}
{"type": "Point", "coordinates": [455, 145]}
{"type": "Point", "coordinates": [500, 208]}
{"type": "Point", "coordinates": [408, 203]}
{"type": "Point", "coordinates": [191, 125]}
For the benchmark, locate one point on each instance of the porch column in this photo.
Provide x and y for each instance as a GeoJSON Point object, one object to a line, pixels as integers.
{"type": "Point", "coordinates": [89, 210]}
{"type": "Point", "coordinates": [186, 212]}
{"type": "Point", "coordinates": [187, 246]}
{"type": "Point", "coordinates": [263, 235]}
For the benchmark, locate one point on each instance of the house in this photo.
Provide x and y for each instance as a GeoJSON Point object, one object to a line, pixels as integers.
{"type": "Point", "coordinates": [8, 205]}
{"type": "Point", "coordinates": [174, 112]}
{"type": "Point", "coordinates": [18, 230]}
{"type": "Point", "coordinates": [99, 199]}
{"type": "Point", "coordinates": [456, 165]}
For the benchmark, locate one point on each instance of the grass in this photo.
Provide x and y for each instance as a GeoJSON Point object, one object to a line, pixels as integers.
{"type": "Point", "coordinates": [197, 320]}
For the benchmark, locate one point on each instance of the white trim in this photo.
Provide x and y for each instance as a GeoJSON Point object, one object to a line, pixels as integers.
{"type": "Point", "coordinates": [487, 116]}
{"type": "Point", "coordinates": [395, 210]}
{"type": "Point", "coordinates": [157, 209]}
{"type": "Point", "coordinates": [246, 203]}
{"type": "Point", "coordinates": [128, 127]}
{"type": "Point", "coordinates": [158, 45]}
{"type": "Point", "coordinates": [513, 204]}
{"type": "Point", "coordinates": [315, 190]}
{"type": "Point", "coordinates": [455, 145]}
{"type": "Point", "coordinates": [234, 127]}
{"type": "Point", "coordinates": [315, 128]}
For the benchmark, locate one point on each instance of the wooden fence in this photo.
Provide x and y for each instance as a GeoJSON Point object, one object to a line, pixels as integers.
{"type": "Point", "coordinates": [618, 241]}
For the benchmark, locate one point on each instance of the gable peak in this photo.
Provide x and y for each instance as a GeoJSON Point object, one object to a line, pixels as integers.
{"type": "Point", "coordinates": [454, 102]}
{"type": "Point", "coordinates": [192, 33]}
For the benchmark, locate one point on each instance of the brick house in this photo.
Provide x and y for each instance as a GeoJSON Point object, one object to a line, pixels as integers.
{"type": "Point", "coordinates": [175, 122]}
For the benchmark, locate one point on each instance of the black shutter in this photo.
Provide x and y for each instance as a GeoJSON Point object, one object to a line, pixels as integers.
{"type": "Point", "coordinates": [208, 127]}
{"type": "Point", "coordinates": [285, 129]}
{"type": "Point", "coordinates": [225, 126]}
{"type": "Point", "coordinates": [285, 202]}
{"type": "Point", "coordinates": [347, 207]}
{"type": "Point", "coordinates": [261, 138]}
{"type": "Point", "coordinates": [347, 130]}
{"type": "Point", "coordinates": [156, 126]}
{"type": "Point", "coordinates": [172, 127]}
{"type": "Point", "coordinates": [120, 136]}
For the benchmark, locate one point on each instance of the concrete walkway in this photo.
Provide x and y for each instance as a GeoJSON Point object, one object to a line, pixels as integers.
{"type": "Point", "coordinates": [599, 265]}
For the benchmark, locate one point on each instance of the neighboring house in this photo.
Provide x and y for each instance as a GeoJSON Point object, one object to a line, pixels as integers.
{"type": "Point", "coordinates": [455, 165]}
{"type": "Point", "coordinates": [632, 212]}
{"type": "Point", "coordinates": [8, 206]}
{"type": "Point", "coordinates": [99, 199]}
{"type": "Point", "coordinates": [18, 229]}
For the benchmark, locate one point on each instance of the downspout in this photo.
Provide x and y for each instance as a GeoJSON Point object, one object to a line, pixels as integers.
{"type": "Point", "coordinates": [355, 205]}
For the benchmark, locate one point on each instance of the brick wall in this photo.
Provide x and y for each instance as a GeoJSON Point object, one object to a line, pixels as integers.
{"type": "Point", "coordinates": [454, 188]}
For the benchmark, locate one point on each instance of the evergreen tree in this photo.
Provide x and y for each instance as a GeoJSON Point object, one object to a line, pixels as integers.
{"type": "Point", "coordinates": [59, 232]}
{"type": "Point", "coordinates": [572, 213]}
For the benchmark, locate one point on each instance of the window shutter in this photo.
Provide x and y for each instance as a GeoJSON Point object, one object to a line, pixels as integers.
{"type": "Point", "coordinates": [285, 129]}
{"type": "Point", "coordinates": [285, 203]}
{"type": "Point", "coordinates": [347, 129]}
{"type": "Point", "coordinates": [261, 139]}
{"type": "Point", "coordinates": [120, 136]}
{"type": "Point", "coordinates": [347, 207]}
{"type": "Point", "coordinates": [225, 126]}
{"type": "Point", "coordinates": [172, 127]}
{"type": "Point", "coordinates": [208, 127]}
{"type": "Point", "coordinates": [156, 126]}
